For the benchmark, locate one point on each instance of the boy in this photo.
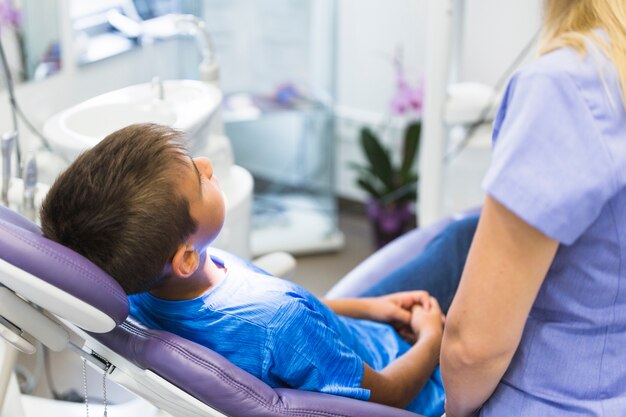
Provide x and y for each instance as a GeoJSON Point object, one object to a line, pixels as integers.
{"type": "Point", "coordinates": [145, 212]}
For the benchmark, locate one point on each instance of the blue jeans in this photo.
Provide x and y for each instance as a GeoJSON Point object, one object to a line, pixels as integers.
{"type": "Point", "coordinates": [437, 269]}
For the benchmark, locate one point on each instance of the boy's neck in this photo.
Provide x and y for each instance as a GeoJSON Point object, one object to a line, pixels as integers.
{"type": "Point", "coordinates": [176, 288]}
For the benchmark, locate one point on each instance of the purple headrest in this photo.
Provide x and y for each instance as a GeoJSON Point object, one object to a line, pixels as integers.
{"type": "Point", "coordinates": [22, 245]}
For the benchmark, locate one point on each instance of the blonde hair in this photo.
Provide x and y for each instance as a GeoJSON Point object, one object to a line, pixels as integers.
{"type": "Point", "coordinates": [567, 23]}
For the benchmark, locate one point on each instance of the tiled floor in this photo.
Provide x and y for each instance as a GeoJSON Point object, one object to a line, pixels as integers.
{"type": "Point", "coordinates": [318, 273]}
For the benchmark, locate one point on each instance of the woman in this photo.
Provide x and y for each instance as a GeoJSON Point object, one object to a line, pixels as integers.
{"type": "Point", "coordinates": [538, 325]}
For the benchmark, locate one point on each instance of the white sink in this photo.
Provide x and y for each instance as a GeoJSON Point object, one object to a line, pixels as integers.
{"type": "Point", "coordinates": [186, 104]}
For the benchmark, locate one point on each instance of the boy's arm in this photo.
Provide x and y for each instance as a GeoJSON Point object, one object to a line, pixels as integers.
{"type": "Point", "coordinates": [400, 382]}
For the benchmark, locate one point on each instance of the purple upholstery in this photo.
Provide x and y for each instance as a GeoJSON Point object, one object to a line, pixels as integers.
{"type": "Point", "coordinates": [22, 245]}
{"type": "Point", "coordinates": [213, 380]}
{"type": "Point", "coordinates": [18, 220]}
{"type": "Point", "coordinates": [202, 373]}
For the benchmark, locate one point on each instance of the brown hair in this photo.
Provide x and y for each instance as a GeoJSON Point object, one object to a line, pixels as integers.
{"type": "Point", "coordinates": [117, 205]}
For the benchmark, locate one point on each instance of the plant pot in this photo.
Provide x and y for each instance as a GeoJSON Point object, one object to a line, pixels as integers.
{"type": "Point", "coordinates": [389, 221]}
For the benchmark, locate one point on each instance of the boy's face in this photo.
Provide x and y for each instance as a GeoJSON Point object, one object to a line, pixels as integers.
{"type": "Point", "coordinates": [206, 201]}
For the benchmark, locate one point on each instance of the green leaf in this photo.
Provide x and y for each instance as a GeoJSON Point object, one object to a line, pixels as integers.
{"type": "Point", "coordinates": [358, 167]}
{"type": "Point", "coordinates": [410, 147]}
{"type": "Point", "coordinates": [368, 188]}
{"type": "Point", "coordinates": [363, 171]}
{"type": "Point", "coordinates": [409, 197]}
{"type": "Point", "coordinates": [409, 177]}
{"type": "Point", "coordinates": [404, 193]}
{"type": "Point", "coordinates": [377, 156]}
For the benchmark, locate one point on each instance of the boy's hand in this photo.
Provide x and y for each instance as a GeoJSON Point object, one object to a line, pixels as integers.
{"type": "Point", "coordinates": [396, 308]}
{"type": "Point", "coordinates": [426, 322]}
{"type": "Point", "coordinates": [400, 381]}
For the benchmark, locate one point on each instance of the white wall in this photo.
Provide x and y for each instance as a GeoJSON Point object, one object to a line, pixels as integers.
{"type": "Point", "coordinates": [495, 32]}
{"type": "Point", "coordinates": [369, 33]}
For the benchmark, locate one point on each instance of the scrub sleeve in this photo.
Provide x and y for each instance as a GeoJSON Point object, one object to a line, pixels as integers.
{"type": "Point", "coordinates": [550, 165]}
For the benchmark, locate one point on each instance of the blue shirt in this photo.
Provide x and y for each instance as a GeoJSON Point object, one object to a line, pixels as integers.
{"type": "Point", "coordinates": [559, 163]}
{"type": "Point", "coordinates": [283, 335]}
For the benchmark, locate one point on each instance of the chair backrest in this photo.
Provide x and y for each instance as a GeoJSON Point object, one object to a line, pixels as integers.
{"type": "Point", "coordinates": [195, 369]}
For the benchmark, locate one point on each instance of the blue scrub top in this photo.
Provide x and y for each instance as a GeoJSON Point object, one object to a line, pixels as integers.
{"type": "Point", "coordinates": [559, 163]}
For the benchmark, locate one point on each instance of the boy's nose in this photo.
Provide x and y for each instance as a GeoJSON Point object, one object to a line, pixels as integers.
{"type": "Point", "coordinates": [204, 166]}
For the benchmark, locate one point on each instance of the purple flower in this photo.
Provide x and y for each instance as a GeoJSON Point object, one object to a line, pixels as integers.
{"type": "Point", "coordinates": [406, 97]}
{"type": "Point", "coordinates": [9, 14]}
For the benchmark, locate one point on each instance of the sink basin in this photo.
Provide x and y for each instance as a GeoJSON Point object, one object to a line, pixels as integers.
{"type": "Point", "coordinates": [186, 104]}
{"type": "Point", "coordinates": [100, 120]}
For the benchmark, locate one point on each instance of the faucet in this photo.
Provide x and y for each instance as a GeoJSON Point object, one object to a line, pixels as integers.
{"type": "Point", "coordinates": [189, 24]}
{"type": "Point", "coordinates": [166, 26]}
{"type": "Point", "coordinates": [158, 85]}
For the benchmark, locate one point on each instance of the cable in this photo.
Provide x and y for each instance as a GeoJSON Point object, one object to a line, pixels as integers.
{"type": "Point", "coordinates": [16, 110]}
{"type": "Point", "coordinates": [33, 129]}
{"type": "Point", "coordinates": [9, 79]}
{"type": "Point", "coordinates": [484, 113]}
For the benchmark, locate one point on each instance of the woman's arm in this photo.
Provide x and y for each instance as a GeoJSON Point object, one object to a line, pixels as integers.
{"type": "Point", "coordinates": [506, 266]}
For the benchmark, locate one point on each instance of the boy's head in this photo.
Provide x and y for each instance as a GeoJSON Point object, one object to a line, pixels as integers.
{"type": "Point", "coordinates": [137, 206]}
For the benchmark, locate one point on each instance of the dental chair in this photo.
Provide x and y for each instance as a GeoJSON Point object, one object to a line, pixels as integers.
{"type": "Point", "coordinates": [54, 295]}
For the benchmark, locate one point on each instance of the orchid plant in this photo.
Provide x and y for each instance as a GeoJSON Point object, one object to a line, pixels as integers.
{"type": "Point", "coordinates": [380, 178]}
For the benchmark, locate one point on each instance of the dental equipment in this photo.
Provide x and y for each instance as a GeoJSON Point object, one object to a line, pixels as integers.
{"type": "Point", "coordinates": [25, 194]}
{"type": "Point", "coordinates": [8, 144]}
{"type": "Point", "coordinates": [29, 176]}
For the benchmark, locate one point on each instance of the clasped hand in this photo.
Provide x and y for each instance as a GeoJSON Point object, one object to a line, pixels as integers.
{"type": "Point", "coordinates": [409, 312]}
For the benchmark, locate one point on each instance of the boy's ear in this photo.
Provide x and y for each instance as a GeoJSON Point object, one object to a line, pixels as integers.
{"type": "Point", "coordinates": [185, 261]}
